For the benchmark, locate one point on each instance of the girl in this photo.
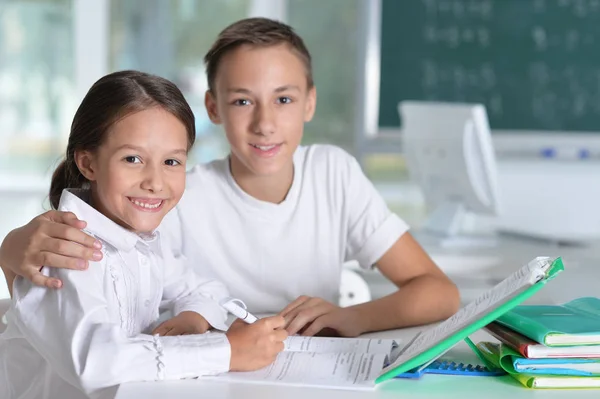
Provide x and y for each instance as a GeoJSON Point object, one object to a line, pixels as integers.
{"type": "Point", "coordinates": [275, 219]}
{"type": "Point", "coordinates": [124, 171]}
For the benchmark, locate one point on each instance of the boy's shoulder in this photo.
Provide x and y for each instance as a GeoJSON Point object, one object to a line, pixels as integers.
{"type": "Point", "coordinates": [203, 174]}
{"type": "Point", "coordinates": [316, 156]}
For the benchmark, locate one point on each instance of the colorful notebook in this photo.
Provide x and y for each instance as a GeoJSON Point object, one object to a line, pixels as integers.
{"type": "Point", "coordinates": [429, 344]}
{"type": "Point", "coordinates": [500, 356]}
{"type": "Point", "coordinates": [574, 323]}
{"type": "Point", "coordinates": [532, 350]}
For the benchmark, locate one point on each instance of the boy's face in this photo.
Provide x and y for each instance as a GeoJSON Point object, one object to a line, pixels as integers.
{"type": "Point", "coordinates": [138, 173]}
{"type": "Point", "coordinates": [263, 100]}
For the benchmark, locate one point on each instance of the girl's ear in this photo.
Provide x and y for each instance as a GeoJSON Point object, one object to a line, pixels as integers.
{"type": "Point", "coordinates": [210, 102]}
{"type": "Point", "coordinates": [86, 163]}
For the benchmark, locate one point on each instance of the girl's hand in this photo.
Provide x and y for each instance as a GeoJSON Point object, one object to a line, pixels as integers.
{"type": "Point", "coordinates": [254, 346]}
{"type": "Point", "coordinates": [183, 324]}
{"type": "Point", "coordinates": [310, 316]}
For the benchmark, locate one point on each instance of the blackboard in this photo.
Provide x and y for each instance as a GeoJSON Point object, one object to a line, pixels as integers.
{"type": "Point", "coordinates": [535, 64]}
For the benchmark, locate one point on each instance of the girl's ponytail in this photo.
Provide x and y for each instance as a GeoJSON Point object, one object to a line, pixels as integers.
{"type": "Point", "coordinates": [66, 175]}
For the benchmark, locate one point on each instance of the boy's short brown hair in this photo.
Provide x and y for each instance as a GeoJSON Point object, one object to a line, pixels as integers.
{"type": "Point", "coordinates": [256, 32]}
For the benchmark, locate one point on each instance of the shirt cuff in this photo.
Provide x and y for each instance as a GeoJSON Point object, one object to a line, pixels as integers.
{"type": "Point", "coordinates": [207, 308]}
{"type": "Point", "coordinates": [186, 356]}
{"type": "Point", "coordinates": [381, 241]}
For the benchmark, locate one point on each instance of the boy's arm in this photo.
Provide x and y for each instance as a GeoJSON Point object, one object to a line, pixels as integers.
{"type": "Point", "coordinates": [425, 294]}
{"type": "Point", "coordinates": [377, 237]}
{"type": "Point", "coordinates": [71, 328]}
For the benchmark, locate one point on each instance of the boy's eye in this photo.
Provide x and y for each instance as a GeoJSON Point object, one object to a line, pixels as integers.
{"type": "Point", "coordinates": [284, 100]}
{"type": "Point", "coordinates": [241, 102]}
{"type": "Point", "coordinates": [172, 162]}
{"type": "Point", "coordinates": [132, 159]}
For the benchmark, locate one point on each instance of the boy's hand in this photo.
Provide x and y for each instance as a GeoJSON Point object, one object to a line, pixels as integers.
{"type": "Point", "coordinates": [254, 346]}
{"type": "Point", "coordinates": [183, 324]}
{"type": "Point", "coordinates": [52, 239]}
{"type": "Point", "coordinates": [310, 316]}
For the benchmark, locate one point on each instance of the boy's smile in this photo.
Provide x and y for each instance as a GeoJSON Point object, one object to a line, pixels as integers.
{"type": "Point", "coordinates": [262, 99]}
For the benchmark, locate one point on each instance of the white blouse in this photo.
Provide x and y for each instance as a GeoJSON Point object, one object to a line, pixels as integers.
{"type": "Point", "coordinates": [93, 333]}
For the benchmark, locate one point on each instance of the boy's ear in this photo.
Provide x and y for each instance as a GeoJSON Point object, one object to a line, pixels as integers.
{"type": "Point", "coordinates": [311, 104]}
{"type": "Point", "coordinates": [85, 161]}
{"type": "Point", "coordinates": [210, 102]}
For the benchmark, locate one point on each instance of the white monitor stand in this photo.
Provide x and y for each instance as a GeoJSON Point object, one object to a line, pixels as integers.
{"type": "Point", "coordinates": [450, 155]}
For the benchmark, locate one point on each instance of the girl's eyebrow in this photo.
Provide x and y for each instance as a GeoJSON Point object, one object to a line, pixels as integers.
{"type": "Point", "coordinates": [181, 151]}
{"type": "Point", "coordinates": [129, 147]}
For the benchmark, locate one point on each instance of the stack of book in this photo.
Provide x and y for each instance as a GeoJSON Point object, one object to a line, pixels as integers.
{"type": "Point", "coordinates": [548, 346]}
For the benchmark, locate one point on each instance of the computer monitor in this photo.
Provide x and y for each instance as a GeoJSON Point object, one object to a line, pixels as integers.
{"type": "Point", "coordinates": [449, 153]}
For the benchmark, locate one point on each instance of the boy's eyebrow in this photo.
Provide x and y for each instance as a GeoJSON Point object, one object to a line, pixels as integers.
{"type": "Point", "coordinates": [280, 89]}
{"type": "Point", "coordinates": [287, 88]}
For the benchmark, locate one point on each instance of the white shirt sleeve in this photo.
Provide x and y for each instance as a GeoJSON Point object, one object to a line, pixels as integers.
{"type": "Point", "coordinates": [372, 227]}
{"type": "Point", "coordinates": [71, 328]}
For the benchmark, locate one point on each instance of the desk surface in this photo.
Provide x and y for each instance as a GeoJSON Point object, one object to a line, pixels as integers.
{"type": "Point", "coordinates": [428, 386]}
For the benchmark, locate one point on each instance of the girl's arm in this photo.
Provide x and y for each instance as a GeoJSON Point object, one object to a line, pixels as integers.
{"type": "Point", "coordinates": [72, 330]}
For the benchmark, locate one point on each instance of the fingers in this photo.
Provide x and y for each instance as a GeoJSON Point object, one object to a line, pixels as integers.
{"type": "Point", "coordinates": [38, 278]}
{"type": "Point", "coordinates": [280, 335]}
{"type": "Point", "coordinates": [304, 318]}
{"type": "Point", "coordinates": [298, 302]}
{"type": "Point", "coordinates": [69, 233]}
{"type": "Point", "coordinates": [317, 325]}
{"type": "Point", "coordinates": [68, 218]}
{"type": "Point", "coordinates": [274, 322]}
{"type": "Point", "coordinates": [51, 259]}
{"type": "Point", "coordinates": [162, 329]}
{"type": "Point", "coordinates": [67, 249]}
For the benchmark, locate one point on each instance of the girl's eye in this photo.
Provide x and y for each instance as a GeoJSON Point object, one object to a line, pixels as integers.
{"type": "Point", "coordinates": [241, 102]}
{"type": "Point", "coordinates": [132, 159]}
{"type": "Point", "coordinates": [284, 100]}
{"type": "Point", "coordinates": [172, 162]}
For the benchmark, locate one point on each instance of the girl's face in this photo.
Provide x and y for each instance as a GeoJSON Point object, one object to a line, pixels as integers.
{"type": "Point", "coordinates": [138, 173]}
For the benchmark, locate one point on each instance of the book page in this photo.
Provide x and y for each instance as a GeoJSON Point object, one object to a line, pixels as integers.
{"type": "Point", "coordinates": [509, 288]}
{"type": "Point", "coordinates": [331, 370]}
{"type": "Point", "coordinates": [338, 345]}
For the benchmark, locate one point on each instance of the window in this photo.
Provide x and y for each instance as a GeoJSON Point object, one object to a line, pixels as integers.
{"type": "Point", "coordinates": [37, 99]}
{"type": "Point", "coordinates": [329, 29]}
{"type": "Point", "coordinates": [169, 38]}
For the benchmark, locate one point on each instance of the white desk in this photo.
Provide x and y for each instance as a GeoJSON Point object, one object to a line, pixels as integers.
{"type": "Point", "coordinates": [579, 279]}
{"type": "Point", "coordinates": [428, 386]}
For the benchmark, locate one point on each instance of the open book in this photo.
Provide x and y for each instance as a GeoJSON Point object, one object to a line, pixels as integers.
{"type": "Point", "coordinates": [357, 363]}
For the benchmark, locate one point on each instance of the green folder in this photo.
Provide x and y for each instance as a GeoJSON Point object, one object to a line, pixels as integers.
{"type": "Point", "coordinates": [573, 323]}
{"type": "Point", "coordinates": [549, 269]}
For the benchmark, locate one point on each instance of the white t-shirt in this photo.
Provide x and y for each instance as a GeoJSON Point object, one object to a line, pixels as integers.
{"type": "Point", "coordinates": [269, 254]}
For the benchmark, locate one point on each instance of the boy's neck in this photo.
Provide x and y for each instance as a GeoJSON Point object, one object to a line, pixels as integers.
{"type": "Point", "coordinates": [273, 188]}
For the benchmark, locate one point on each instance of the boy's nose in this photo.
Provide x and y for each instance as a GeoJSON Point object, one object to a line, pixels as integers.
{"type": "Point", "coordinates": [263, 121]}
